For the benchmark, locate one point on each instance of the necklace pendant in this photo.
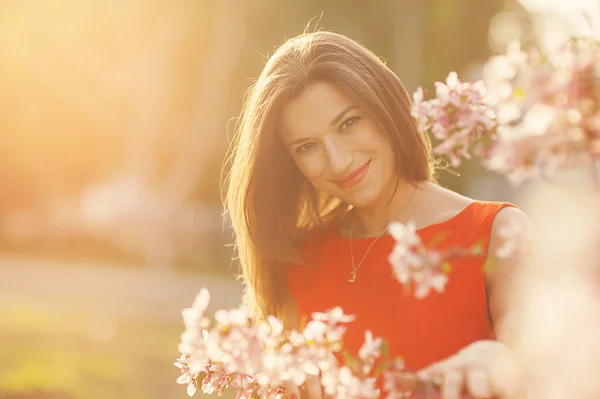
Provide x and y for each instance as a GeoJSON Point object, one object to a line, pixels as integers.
{"type": "Point", "coordinates": [352, 276]}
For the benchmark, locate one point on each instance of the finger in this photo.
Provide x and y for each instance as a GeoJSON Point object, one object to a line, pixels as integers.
{"type": "Point", "coordinates": [410, 382]}
{"type": "Point", "coordinates": [292, 390]}
{"type": "Point", "coordinates": [453, 382]}
{"type": "Point", "coordinates": [435, 372]}
{"type": "Point", "coordinates": [313, 388]}
{"type": "Point", "coordinates": [478, 383]}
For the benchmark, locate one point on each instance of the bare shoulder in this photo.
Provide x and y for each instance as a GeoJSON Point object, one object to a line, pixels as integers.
{"type": "Point", "coordinates": [439, 203]}
{"type": "Point", "coordinates": [446, 198]}
{"type": "Point", "coordinates": [511, 227]}
{"type": "Point", "coordinates": [509, 218]}
{"type": "Point", "coordinates": [510, 245]}
{"type": "Point", "coordinates": [510, 241]}
{"type": "Point", "coordinates": [511, 213]}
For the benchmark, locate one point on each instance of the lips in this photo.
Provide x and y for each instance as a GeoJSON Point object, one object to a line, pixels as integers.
{"type": "Point", "coordinates": [354, 177]}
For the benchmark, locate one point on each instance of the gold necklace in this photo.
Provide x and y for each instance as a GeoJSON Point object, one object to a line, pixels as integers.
{"type": "Point", "coordinates": [355, 269]}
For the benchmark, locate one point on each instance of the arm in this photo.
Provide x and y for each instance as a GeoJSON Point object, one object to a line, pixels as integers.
{"type": "Point", "coordinates": [489, 368]}
{"type": "Point", "coordinates": [500, 277]}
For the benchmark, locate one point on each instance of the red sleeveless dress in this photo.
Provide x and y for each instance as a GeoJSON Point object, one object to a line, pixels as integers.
{"type": "Point", "coordinates": [420, 331]}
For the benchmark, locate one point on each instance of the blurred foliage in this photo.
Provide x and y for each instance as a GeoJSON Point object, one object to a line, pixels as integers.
{"type": "Point", "coordinates": [144, 89]}
{"type": "Point", "coordinates": [49, 352]}
{"type": "Point", "coordinates": [66, 126]}
{"type": "Point", "coordinates": [455, 37]}
{"type": "Point", "coordinates": [74, 249]}
{"type": "Point", "coordinates": [98, 89]}
{"type": "Point", "coordinates": [36, 394]}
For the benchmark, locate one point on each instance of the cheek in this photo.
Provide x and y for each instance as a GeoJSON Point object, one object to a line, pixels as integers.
{"type": "Point", "coordinates": [387, 151]}
{"type": "Point", "coordinates": [310, 166]}
{"type": "Point", "coordinates": [382, 147]}
{"type": "Point", "coordinates": [372, 137]}
{"type": "Point", "coordinates": [380, 141]}
{"type": "Point", "coordinates": [389, 159]}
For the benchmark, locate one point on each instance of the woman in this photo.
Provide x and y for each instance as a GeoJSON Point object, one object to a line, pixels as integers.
{"type": "Point", "coordinates": [327, 155]}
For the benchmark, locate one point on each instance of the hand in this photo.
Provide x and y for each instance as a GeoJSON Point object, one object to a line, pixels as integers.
{"type": "Point", "coordinates": [310, 390]}
{"type": "Point", "coordinates": [484, 369]}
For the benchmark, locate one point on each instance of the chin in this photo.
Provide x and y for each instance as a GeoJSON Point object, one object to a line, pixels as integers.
{"type": "Point", "coordinates": [362, 199]}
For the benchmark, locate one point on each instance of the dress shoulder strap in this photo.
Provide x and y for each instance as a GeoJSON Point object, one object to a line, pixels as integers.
{"type": "Point", "coordinates": [484, 213]}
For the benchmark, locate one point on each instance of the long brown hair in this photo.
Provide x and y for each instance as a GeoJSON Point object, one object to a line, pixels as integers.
{"type": "Point", "coordinates": [268, 201]}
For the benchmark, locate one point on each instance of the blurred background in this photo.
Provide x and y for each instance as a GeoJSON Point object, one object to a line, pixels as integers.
{"type": "Point", "coordinates": [115, 118]}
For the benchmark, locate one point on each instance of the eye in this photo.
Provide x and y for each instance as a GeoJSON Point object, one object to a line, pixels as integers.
{"type": "Point", "coordinates": [350, 122]}
{"type": "Point", "coordinates": [305, 147]}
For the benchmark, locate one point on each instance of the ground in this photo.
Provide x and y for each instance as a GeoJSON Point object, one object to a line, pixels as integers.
{"type": "Point", "coordinates": [96, 331]}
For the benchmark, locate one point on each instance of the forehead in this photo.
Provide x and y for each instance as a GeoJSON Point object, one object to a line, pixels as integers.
{"type": "Point", "coordinates": [311, 112]}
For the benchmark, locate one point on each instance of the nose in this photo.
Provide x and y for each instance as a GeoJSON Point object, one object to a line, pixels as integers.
{"type": "Point", "coordinates": [339, 156]}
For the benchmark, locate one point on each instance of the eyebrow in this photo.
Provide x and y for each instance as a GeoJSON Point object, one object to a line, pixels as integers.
{"type": "Point", "coordinates": [341, 115]}
{"type": "Point", "coordinates": [333, 122]}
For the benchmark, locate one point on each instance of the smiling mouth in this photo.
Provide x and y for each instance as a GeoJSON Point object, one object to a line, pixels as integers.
{"type": "Point", "coordinates": [354, 177]}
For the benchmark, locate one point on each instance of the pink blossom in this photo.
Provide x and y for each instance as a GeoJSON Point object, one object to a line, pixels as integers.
{"type": "Point", "coordinates": [429, 280]}
{"type": "Point", "coordinates": [334, 316]}
{"type": "Point", "coordinates": [370, 351]}
{"type": "Point", "coordinates": [186, 376]}
{"type": "Point", "coordinates": [261, 358]}
{"type": "Point", "coordinates": [510, 232]}
{"type": "Point", "coordinates": [530, 115]}
{"type": "Point", "coordinates": [413, 264]}
{"type": "Point", "coordinates": [371, 348]}
{"type": "Point", "coordinates": [195, 314]}
{"type": "Point", "coordinates": [254, 357]}
{"type": "Point", "coordinates": [458, 116]}
{"type": "Point", "coordinates": [215, 381]}
{"type": "Point", "coordinates": [545, 109]}
{"type": "Point", "coordinates": [395, 381]}
{"type": "Point", "coordinates": [344, 384]}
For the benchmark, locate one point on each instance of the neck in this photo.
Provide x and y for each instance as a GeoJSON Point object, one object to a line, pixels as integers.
{"type": "Point", "coordinates": [372, 220]}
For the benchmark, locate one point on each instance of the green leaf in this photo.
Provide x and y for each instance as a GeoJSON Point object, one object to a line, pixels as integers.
{"type": "Point", "coordinates": [477, 249]}
{"type": "Point", "coordinates": [438, 238]}
{"type": "Point", "coordinates": [489, 264]}
{"type": "Point", "coordinates": [385, 349]}
{"type": "Point", "coordinates": [350, 361]}
{"type": "Point", "coordinates": [384, 365]}
{"type": "Point", "coordinates": [446, 267]}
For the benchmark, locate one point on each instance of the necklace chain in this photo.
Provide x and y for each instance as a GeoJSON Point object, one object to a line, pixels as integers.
{"type": "Point", "coordinates": [355, 269]}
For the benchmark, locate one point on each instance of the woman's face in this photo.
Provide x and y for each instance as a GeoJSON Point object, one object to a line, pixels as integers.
{"type": "Point", "coordinates": [337, 146]}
